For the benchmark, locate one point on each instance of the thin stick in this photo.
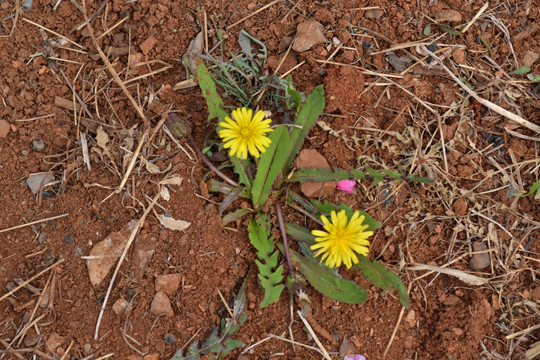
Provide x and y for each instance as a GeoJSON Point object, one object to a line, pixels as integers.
{"type": "Point", "coordinates": [252, 14]}
{"type": "Point", "coordinates": [31, 279]}
{"type": "Point", "coordinates": [496, 108]}
{"type": "Point", "coordinates": [36, 118]}
{"type": "Point", "coordinates": [17, 11]}
{"type": "Point", "coordinates": [397, 323]}
{"type": "Point", "coordinates": [112, 28]}
{"type": "Point", "coordinates": [110, 67]}
{"type": "Point", "coordinates": [54, 33]}
{"type": "Point", "coordinates": [33, 223]}
{"type": "Point", "coordinates": [210, 165]}
{"type": "Point", "coordinates": [314, 336]}
{"type": "Point", "coordinates": [122, 257]}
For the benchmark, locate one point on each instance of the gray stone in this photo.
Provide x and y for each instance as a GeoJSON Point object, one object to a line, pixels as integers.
{"type": "Point", "coordinates": [35, 181]}
{"type": "Point", "coordinates": [38, 145]}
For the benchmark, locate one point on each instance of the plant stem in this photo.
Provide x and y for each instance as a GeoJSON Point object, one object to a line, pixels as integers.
{"type": "Point", "coordinates": [306, 213]}
{"type": "Point", "coordinates": [210, 165]}
{"type": "Point", "coordinates": [284, 236]}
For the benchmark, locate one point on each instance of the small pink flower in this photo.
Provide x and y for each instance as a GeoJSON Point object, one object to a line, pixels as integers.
{"type": "Point", "coordinates": [346, 185]}
{"type": "Point", "coordinates": [354, 357]}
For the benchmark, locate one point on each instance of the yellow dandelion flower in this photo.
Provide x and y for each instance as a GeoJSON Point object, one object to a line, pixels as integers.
{"type": "Point", "coordinates": [246, 133]}
{"type": "Point", "coordinates": [342, 240]}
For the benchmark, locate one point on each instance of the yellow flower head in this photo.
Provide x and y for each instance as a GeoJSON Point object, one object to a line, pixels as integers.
{"type": "Point", "coordinates": [245, 133]}
{"type": "Point", "coordinates": [342, 240]}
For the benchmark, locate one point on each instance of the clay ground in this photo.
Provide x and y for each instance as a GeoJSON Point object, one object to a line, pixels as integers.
{"type": "Point", "coordinates": [380, 112]}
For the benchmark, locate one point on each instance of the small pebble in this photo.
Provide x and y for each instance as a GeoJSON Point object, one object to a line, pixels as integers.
{"type": "Point", "coordinates": [4, 128]}
{"type": "Point", "coordinates": [24, 152]}
{"type": "Point", "coordinates": [169, 339]}
{"type": "Point", "coordinates": [87, 348]}
{"type": "Point", "coordinates": [38, 145]}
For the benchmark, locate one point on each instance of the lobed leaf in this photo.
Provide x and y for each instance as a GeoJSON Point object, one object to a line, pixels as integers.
{"type": "Point", "coordinates": [209, 91]}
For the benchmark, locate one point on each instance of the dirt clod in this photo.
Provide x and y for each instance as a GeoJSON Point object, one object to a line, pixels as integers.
{"type": "Point", "coordinates": [4, 128]}
{"type": "Point", "coordinates": [167, 283]}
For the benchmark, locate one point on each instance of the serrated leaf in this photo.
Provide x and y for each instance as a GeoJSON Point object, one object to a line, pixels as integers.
{"type": "Point", "coordinates": [383, 278]}
{"type": "Point", "coordinates": [377, 176]}
{"type": "Point", "coordinates": [319, 175]}
{"type": "Point", "coordinates": [306, 116]}
{"type": "Point", "coordinates": [209, 91]}
{"type": "Point", "coordinates": [270, 165]}
{"type": "Point", "coordinates": [269, 279]}
{"type": "Point", "coordinates": [232, 344]}
{"type": "Point", "coordinates": [327, 282]}
{"type": "Point", "coordinates": [521, 70]}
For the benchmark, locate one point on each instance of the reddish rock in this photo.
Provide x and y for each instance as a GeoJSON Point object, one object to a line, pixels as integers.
{"type": "Point", "coordinates": [311, 159]}
{"type": "Point", "coordinates": [153, 356]}
{"type": "Point", "coordinates": [4, 128]}
{"type": "Point", "coordinates": [308, 34]}
{"type": "Point", "coordinates": [148, 44]}
{"type": "Point", "coordinates": [161, 305]}
{"type": "Point", "coordinates": [458, 54]}
{"type": "Point", "coordinates": [120, 306]}
{"type": "Point", "coordinates": [53, 342]}
{"type": "Point", "coordinates": [460, 206]}
{"type": "Point", "coordinates": [374, 14]}
{"type": "Point", "coordinates": [168, 283]}
{"type": "Point", "coordinates": [448, 15]}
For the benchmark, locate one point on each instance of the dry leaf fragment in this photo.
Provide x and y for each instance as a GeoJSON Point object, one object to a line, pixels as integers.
{"type": "Point", "coordinates": [165, 193]}
{"type": "Point", "coordinates": [461, 275]}
{"type": "Point", "coordinates": [172, 223]}
{"type": "Point", "coordinates": [175, 180]}
{"type": "Point", "coordinates": [153, 168]}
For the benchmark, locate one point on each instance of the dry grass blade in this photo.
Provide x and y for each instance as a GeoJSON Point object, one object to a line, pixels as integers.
{"type": "Point", "coordinates": [122, 257]}
{"type": "Point", "coordinates": [110, 67]}
{"type": "Point", "coordinates": [461, 275]}
{"type": "Point", "coordinates": [314, 336]}
{"type": "Point", "coordinates": [496, 108]}
{"type": "Point", "coordinates": [252, 14]}
{"type": "Point", "coordinates": [31, 279]}
{"type": "Point", "coordinates": [34, 223]}
{"type": "Point", "coordinates": [53, 32]}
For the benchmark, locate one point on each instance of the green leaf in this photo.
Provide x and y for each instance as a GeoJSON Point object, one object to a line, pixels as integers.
{"type": "Point", "coordinates": [449, 30]}
{"type": "Point", "coordinates": [319, 175]}
{"type": "Point", "coordinates": [306, 117]}
{"type": "Point", "coordinates": [427, 30]}
{"type": "Point", "coordinates": [232, 344]}
{"type": "Point", "coordinates": [240, 169]}
{"type": "Point", "coordinates": [235, 215]}
{"type": "Point", "coordinates": [270, 165]}
{"type": "Point", "coordinates": [377, 176]}
{"type": "Point", "coordinates": [521, 70]}
{"type": "Point", "coordinates": [486, 44]}
{"type": "Point", "coordinates": [535, 187]}
{"type": "Point", "coordinates": [533, 77]}
{"type": "Point", "coordinates": [296, 96]}
{"type": "Point", "coordinates": [209, 91]}
{"type": "Point", "coordinates": [299, 233]}
{"type": "Point", "coordinates": [383, 278]}
{"type": "Point", "coordinates": [269, 279]}
{"type": "Point", "coordinates": [326, 281]}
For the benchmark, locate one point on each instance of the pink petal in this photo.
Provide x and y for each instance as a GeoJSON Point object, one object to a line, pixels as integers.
{"type": "Point", "coordinates": [354, 357]}
{"type": "Point", "coordinates": [346, 185]}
